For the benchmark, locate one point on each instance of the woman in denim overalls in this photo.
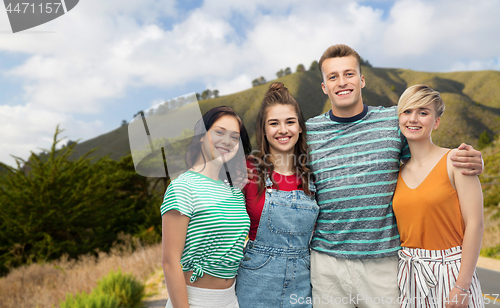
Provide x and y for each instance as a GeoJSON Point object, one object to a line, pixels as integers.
{"type": "Point", "coordinates": [275, 271]}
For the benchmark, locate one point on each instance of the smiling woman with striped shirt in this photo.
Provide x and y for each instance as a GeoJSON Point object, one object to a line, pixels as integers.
{"type": "Point", "coordinates": [204, 221]}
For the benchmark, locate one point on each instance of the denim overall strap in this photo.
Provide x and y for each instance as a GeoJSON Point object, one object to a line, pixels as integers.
{"type": "Point", "coordinates": [286, 222]}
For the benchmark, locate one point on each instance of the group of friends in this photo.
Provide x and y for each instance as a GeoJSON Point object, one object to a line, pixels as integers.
{"type": "Point", "coordinates": [356, 207]}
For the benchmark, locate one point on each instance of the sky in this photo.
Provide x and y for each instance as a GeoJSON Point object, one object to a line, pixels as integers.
{"type": "Point", "coordinates": [104, 61]}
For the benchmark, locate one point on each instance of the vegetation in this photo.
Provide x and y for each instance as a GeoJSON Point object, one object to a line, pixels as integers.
{"type": "Point", "coordinates": [207, 94]}
{"type": "Point", "coordinates": [484, 140]}
{"type": "Point", "coordinates": [258, 81]}
{"type": "Point", "coordinates": [490, 179]}
{"type": "Point", "coordinates": [300, 68]}
{"type": "Point", "coordinates": [92, 300]}
{"type": "Point", "coordinates": [45, 285]}
{"type": "Point", "coordinates": [114, 290]}
{"type": "Point", "coordinates": [314, 66]}
{"type": "Point", "coordinates": [52, 206]}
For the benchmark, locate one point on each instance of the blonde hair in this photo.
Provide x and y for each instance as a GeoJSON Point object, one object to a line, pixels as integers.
{"type": "Point", "coordinates": [420, 95]}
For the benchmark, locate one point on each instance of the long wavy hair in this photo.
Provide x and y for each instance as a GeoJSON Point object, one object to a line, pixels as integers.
{"type": "Point", "coordinates": [278, 95]}
{"type": "Point", "coordinates": [202, 127]}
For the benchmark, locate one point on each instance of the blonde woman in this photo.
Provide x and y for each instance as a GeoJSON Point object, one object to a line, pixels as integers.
{"type": "Point", "coordinates": [439, 213]}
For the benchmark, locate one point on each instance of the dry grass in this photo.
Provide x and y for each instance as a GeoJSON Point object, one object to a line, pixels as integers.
{"type": "Point", "coordinates": [44, 285]}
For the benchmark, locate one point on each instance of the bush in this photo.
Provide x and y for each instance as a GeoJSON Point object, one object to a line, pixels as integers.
{"type": "Point", "coordinates": [115, 290]}
{"type": "Point", "coordinates": [491, 252]}
{"type": "Point", "coordinates": [93, 300]}
{"type": "Point", "coordinates": [123, 287]}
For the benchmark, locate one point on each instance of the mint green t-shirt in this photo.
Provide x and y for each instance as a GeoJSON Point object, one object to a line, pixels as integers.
{"type": "Point", "coordinates": [218, 224]}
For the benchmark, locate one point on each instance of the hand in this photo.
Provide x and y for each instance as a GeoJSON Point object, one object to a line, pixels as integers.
{"type": "Point", "coordinates": [469, 159]}
{"type": "Point", "coordinates": [457, 299]}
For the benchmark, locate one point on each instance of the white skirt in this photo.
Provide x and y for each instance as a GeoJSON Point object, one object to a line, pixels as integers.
{"type": "Point", "coordinates": [426, 277]}
{"type": "Point", "coordinates": [204, 298]}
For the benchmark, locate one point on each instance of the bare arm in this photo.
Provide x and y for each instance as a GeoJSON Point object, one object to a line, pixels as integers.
{"type": "Point", "coordinates": [471, 205]}
{"type": "Point", "coordinates": [174, 229]}
{"type": "Point", "coordinates": [469, 159]}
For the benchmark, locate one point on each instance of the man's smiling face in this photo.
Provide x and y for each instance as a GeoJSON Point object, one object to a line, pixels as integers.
{"type": "Point", "coordinates": [342, 82]}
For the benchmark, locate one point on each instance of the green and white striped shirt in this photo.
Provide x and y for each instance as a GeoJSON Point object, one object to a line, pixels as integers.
{"type": "Point", "coordinates": [218, 224]}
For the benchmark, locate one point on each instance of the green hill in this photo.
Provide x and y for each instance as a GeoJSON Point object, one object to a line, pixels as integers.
{"type": "Point", "coordinates": [490, 178]}
{"type": "Point", "coordinates": [472, 104]}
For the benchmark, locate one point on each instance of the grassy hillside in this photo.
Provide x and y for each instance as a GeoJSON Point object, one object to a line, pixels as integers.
{"type": "Point", "coordinates": [472, 103]}
{"type": "Point", "coordinates": [115, 144]}
{"type": "Point", "coordinates": [490, 179]}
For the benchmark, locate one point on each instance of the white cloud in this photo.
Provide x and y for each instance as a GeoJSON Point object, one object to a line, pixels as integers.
{"type": "Point", "coordinates": [436, 35]}
{"type": "Point", "coordinates": [240, 83]}
{"type": "Point", "coordinates": [27, 128]}
{"type": "Point", "coordinates": [493, 64]}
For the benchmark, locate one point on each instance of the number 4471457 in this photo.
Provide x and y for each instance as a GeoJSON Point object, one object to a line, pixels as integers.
{"type": "Point", "coordinates": [27, 8]}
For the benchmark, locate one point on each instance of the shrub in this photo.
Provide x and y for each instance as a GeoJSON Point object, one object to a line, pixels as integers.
{"type": "Point", "coordinates": [115, 290]}
{"type": "Point", "coordinates": [93, 300]}
{"type": "Point", "coordinates": [127, 290]}
{"type": "Point", "coordinates": [491, 252]}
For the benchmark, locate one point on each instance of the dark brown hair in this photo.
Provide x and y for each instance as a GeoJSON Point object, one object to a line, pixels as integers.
{"type": "Point", "coordinates": [278, 94]}
{"type": "Point", "coordinates": [339, 51]}
{"type": "Point", "coordinates": [200, 129]}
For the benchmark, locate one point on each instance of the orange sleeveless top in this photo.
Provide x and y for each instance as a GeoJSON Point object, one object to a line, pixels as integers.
{"type": "Point", "coordinates": [429, 216]}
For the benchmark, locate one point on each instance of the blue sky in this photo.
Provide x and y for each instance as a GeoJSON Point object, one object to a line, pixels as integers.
{"type": "Point", "coordinates": [105, 60]}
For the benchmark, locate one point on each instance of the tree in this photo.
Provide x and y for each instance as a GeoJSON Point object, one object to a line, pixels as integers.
{"type": "Point", "coordinates": [51, 205]}
{"type": "Point", "coordinates": [365, 62]}
{"type": "Point", "coordinates": [215, 93]}
{"type": "Point", "coordinates": [314, 65]}
{"type": "Point", "coordinates": [300, 68]}
{"type": "Point", "coordinates": [198, 96]}
{"type": "Point", "coordinates": [288, 71]}
{"type": "Point", "coordinates": [207, 94]}
{"type": "Point", "coordinates": [258, 81]}
{"type": "Point", "coordinates": [280, 73]}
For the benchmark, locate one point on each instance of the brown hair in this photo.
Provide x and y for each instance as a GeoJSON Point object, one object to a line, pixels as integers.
{"type": "Point", "coordinates": [278, 94]}
{"type": "Point", "coordinates": [201, 128]}
{"type": "Point", "coordinates": [339, 51]}
{"type": "Point", "coordinates": [420, 95]}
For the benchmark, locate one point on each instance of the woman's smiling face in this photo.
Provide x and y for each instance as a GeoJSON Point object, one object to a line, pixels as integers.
{"type": "Point", "coordinates": [418, 123]}
{"type": "Point", "coordinates": [282, 129]}
{"type": "Point", "coordinates": [221, 140]}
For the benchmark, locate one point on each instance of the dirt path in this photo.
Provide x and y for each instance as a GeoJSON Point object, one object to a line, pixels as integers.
{"type": "Point", "coordinates": [492, 264]}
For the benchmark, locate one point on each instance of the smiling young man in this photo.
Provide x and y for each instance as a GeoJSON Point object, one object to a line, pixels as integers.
{"type": "Point", "coordinates": [355, 155]}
